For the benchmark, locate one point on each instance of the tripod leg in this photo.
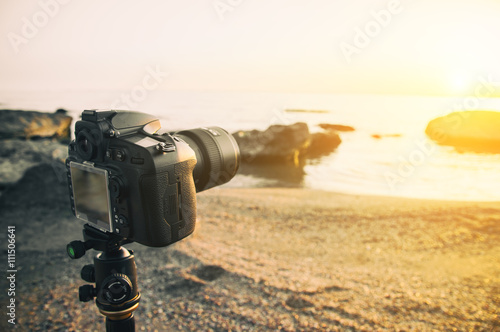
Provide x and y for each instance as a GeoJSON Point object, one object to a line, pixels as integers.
{"type": "Point", "coordinates": [122, 325]}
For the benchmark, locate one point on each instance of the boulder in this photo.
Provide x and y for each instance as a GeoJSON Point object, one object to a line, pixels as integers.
{"type": "Point", "coordinates": [42, 186]}
{"type": "Point", "coordinates": [16, 156]}
{"type": "Point", "coordinates": [323, 143]}
{"type": "Point", "coordinates": [31, 124]}
{"type": "Point", "coordinates": [476, 131]}
{"type": "Point", "coordinates": [337, 127]}
{"type": "Point", "coordinates": [278, 143]}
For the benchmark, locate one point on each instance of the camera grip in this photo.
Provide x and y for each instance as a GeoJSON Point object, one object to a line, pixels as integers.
{"type": "Point", "coordinates": [169, 200]}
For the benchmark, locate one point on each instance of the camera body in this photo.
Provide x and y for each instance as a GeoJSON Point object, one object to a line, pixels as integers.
{"type": "Point", "coordinates": [125, 178]}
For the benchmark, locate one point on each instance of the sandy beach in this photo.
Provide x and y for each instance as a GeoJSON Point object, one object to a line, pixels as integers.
{"type": "Point", "coordinates": [276, 259]}
{"type": "Point", "coordinates": [351, 150]}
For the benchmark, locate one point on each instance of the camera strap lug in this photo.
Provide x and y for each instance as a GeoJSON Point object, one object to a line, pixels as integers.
{"type": "Point", "coordinates": [165, 147]}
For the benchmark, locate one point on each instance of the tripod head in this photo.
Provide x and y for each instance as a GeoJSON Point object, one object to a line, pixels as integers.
{"type": "Point", "coordinates": [115, 275]}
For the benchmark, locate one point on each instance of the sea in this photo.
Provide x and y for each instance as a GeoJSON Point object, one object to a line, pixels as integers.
{"type": "Point", "coordinates": [387, 154]}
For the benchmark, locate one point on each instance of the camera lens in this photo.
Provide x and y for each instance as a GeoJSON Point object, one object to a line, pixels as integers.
{"type": "Point", "coordinates": [217, 154]}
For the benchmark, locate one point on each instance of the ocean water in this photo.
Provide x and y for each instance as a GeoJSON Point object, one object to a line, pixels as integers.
{"type": "Point", "coordinates": [402, 162]}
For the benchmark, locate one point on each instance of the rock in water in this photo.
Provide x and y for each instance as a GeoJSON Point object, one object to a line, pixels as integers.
{"type": "Point", "coordinates": [476, 131]}
{"type": "Point", "coordinates": [337, 127]}
{"type": "Point", "coordinates": [323, 143]}
{"type": "Point", "coordinates": [31, 124]}
{"type": "Point", "coordinates": [278, 143]}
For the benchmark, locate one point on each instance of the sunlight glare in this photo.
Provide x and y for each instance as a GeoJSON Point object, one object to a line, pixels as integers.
{"type": "Point", "coordinates": [459, 83]}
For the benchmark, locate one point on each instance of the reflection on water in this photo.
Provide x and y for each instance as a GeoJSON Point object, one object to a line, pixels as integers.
{"type": "Point", "coordinates": [272, 175]}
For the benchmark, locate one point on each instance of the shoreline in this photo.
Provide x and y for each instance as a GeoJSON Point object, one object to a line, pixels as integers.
{"type": "Point", "coordinates": [326, 192]}
{"type": "Point", "coordinates": [295, 259]}
{"type": "Point", "coordinates": [340, 170]}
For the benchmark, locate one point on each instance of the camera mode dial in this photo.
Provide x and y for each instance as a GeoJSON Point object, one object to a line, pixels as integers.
{"type": "Point", "coordinates": [116, 288]}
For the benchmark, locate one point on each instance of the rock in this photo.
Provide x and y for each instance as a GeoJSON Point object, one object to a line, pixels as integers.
{"type": "Point", "coordinates": [323, 143]}
{"type": "Point", "coordinates": [278, 143]}
{"type": "Point", "coordinates": [42, 186]}
{"type": "Point", "coordinates": [16, 156]}
{"type": "Point", "coordinates": [31, 124]}
{"type": "Point", "coordinates": [337, 127]}
{"type": "Point", "coordinates": [285, 144]}
{"type": "Point", "coordinates": [379, 136]}
{"type": "Point", "coordinates": [476, 131]}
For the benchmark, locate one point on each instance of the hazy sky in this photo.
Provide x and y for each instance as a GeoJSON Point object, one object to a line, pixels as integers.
{"type": "Point", "coordinates": [406, 46]}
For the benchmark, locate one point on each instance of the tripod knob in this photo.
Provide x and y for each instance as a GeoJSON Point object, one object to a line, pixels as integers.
{"type": "Point", "coordinates": [86, 293]}
{"type": "Point", "coordinates": [76, 249]}
{"type": "Point", "coordinates": [117, 288]}
{"type": "Point", "coordinates": [88, 273]}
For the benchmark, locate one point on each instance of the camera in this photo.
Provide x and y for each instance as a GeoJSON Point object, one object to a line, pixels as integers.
{"type": "Point", "coordinates": [127, 178]}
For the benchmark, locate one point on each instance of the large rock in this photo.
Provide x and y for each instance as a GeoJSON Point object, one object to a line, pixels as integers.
{"type": "Point", "coordinates": [17, 156]}
{"type": "Point", "coordinates": [39, 206]}
{"type": "Point", "coordinates": [477, 131]}
{"type": "Point", "coordinates": [323, 143]}
{"type": "Point", "coordinates": [278, 143]}
{"type": "Point", "coordinates": [31, 124]}
{"type": "Point", "coordinates": [42, 186]}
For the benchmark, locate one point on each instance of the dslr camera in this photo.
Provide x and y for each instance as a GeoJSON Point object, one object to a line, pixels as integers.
{"type": "Point", "coordinates": [129, 179]}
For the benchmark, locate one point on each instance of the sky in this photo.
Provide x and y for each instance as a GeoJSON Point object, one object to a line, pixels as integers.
{"type": "Point", "coordinates": [440, 47]}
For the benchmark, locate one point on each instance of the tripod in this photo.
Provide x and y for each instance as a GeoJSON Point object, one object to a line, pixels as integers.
{"type": "Point", "coordinates": [115, 275]}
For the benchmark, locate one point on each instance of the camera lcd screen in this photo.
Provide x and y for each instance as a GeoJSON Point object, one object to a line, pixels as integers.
{"type": "Point", "coordinates": [91, 195]}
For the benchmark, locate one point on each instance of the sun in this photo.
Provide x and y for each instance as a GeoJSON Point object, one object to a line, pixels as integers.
{"type": "Point", "coordinates": [459, 83]}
